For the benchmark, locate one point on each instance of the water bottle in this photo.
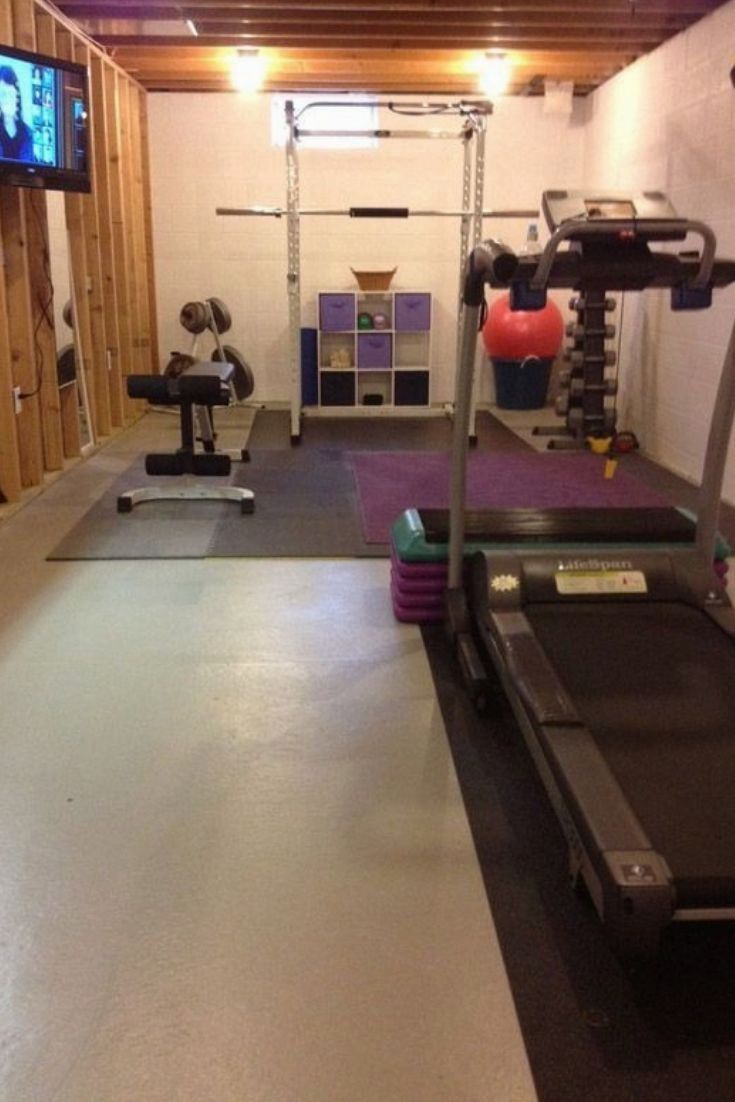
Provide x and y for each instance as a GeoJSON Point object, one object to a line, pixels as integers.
{"type": "Point", "coordinates": [531, 246]}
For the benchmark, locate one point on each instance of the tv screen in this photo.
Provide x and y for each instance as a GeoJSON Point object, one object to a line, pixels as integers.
{"type": "Point", "coordinates": [43, 122]}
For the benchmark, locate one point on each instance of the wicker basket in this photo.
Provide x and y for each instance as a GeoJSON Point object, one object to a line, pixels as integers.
{"type": "Point", "coordinates": [374, 281]}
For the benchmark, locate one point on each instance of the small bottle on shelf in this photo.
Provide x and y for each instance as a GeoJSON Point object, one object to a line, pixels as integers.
{"type": "Point", "coordinates": [531, 246]}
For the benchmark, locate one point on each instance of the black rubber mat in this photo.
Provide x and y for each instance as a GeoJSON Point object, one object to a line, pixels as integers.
{"type": "Point", "coordinates": [380, 433]}
{"type": "Point", "coordinates": [593, 1028]}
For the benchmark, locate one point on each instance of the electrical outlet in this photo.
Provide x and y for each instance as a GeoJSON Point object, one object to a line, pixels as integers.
{"type": "Point", "coordinates": [17, 401]}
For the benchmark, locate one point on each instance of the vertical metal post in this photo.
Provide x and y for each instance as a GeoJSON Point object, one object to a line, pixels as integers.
{"type": "Point", "coordinates": [460, 429]}
{"type": "Point", "coordinates": [464, 233]}
{"type": "Point", "coordinates": [710, 489]}
{"type": "Point", "coordinates": [479, 202]}
{"type": "Point", "coordinates": [294, 270]}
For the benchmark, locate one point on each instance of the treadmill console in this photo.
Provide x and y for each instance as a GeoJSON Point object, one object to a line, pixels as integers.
{"type": "Point", "coordinates": [615, 207]}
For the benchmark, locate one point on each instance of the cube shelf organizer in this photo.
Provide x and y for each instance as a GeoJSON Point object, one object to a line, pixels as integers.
{"type": "Point", "coordinates": [374, 348]}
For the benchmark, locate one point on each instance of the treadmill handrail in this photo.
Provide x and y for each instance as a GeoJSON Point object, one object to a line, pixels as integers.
{"type": "Point", "coordinates": [582, 227]}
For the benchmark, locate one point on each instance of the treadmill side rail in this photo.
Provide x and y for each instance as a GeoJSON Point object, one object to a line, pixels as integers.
{"type": "Point", "coordinates": [628, 880]}
{"type": "Point", "coordinates": [531, 671]}
{"type": "Point", "coordinates": [638, 901]}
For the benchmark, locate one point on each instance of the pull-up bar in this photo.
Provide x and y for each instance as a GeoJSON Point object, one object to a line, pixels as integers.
{"type": "Point", "coordinates": [373, 212]}
{"type": "Point", "coordinates": [468, 108]}
{"type": "Point", "coordinates": [379, 133]}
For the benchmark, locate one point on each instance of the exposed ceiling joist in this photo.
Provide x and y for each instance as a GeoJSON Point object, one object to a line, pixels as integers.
{"type": "Point", "coordinates": [381, 45]}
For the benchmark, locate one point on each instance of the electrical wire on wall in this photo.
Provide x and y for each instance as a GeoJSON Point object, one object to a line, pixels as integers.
{"type": "Point", "coordinates": [45, 302]}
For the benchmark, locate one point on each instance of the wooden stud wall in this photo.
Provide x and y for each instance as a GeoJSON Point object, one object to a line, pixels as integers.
{"type": "Point", "coordinates": [111, 270]}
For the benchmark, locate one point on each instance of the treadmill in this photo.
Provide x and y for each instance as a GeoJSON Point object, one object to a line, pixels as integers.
{"type": "Point", "coordinates": [618, 661]}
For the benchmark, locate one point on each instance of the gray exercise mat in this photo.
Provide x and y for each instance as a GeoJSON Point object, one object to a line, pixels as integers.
{"type": "Point", "coordinates": [154, 530]}
{"type": "Point", "coordinates": [305, 507]}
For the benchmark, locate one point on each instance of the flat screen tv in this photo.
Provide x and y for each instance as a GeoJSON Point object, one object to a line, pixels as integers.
{"type": "Point", "coordinates": [43, 122]}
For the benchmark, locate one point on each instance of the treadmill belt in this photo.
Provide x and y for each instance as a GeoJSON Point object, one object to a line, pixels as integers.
{"type": "Point", "coordinates": [655, 684]}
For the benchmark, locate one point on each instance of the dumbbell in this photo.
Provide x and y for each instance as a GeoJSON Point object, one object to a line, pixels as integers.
{"type": "Point", "coordinates": [578, 388]}
{"type": "Point", "coordinates": [561, 405]}
{"type": "Point", "coordinates": [604, 422]}
{"type": "Point", "coordinates": [577, 358]}
{"type": "Point", "coordinates": [579, 302]}
{"type": "Point", "coordinates": [579, 332]}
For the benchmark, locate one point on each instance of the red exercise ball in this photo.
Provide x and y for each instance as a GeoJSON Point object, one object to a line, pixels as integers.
{"type": "Point", "coordinates": [514, 334]}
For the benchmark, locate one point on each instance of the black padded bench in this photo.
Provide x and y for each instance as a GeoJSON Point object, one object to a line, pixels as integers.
{"type": "Point", "coordinates": [196, 390]}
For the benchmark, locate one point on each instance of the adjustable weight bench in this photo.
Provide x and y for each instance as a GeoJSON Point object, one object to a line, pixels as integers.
{"type": "Point", "coordinates": [198, 388]}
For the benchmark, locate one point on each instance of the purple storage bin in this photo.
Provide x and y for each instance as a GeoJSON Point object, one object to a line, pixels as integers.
{"type": "Point", "coordinates": [337, 313]}
{"type": "Point", "coordinates": [413, 312]}
{"type": "Point", "coordinates": [374, 350]}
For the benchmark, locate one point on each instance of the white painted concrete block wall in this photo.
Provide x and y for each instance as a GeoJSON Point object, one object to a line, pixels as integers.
{"type": "Point", "coordinates": [215, 150]}
{"type": "Point", "coordinates": [668, 122]}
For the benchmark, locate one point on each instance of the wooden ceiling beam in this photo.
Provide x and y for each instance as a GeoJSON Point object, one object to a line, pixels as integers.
{"type": "Point", "coordinates": [429, 39]}
{"type": "Point", "coordinates": [690, 8]}
{"type": "Point", "coordinates": [204, 17]}
{"type": "Point", "coordinates": [320, 66]}
{"type": "Point", "coordinates": [381, 45]}
{"type": "Point", "coordinates": [438, 86]}
{"type": "Point", "coordinates": [465, 31]}
{"type": "Point", "coordinates": [185, 55]}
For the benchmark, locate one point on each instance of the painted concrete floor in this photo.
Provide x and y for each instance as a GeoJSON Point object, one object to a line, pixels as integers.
{"type": "Point", "coordinates": [236, 866]}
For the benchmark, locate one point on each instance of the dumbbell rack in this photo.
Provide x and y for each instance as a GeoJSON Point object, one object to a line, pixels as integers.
{"type": "Point", "coordinates": [586, 385]}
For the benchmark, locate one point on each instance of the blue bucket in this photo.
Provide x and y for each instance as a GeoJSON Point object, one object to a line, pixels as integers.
{"type": "Point", "coordinates": [522, 384]}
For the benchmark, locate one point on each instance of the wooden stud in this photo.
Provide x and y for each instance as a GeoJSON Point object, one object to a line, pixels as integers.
{"type": "Point", "coordinates": [100, 153]}
{"type": "Point", "coordinates": [138, 224]}
{"type": "Point", "coordinates": [129, 222]}
{"type": "Point", "coordinates": [10, 475]}
{"type": "Point", "coordinates": [120, 242]}
{"type": "Point", "coordinates": [24, 369]}
{"type": "Point", "coordinates": [80, 53]}
{"type": "Point", "coordinates": [65, 398]}
{"type": "Point", "coordinates": [75, 225]}
{"type": "Point", "coordinates": [25, 364]}
{"type": "Point", "coordinates": [146, 184]}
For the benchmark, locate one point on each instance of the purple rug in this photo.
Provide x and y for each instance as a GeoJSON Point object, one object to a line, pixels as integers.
{"type": "Point", "coordinates": [390, 482]}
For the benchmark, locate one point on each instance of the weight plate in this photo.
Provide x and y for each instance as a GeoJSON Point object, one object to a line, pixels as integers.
{"type": "Point", "coordinates": [68, 314]}
{"type": "Point", "coordinates": [66, 367]}
{"type": "Point", "coordinates": [194, 317]}
{"type": "Point", "coordinates": [178, 363]}
{"type": "Point", "coordinates": [243, 381]}
{"type": "Point", "coordinates": [220, 315]}
{"type": "Point", "coordinates": [575, 419]}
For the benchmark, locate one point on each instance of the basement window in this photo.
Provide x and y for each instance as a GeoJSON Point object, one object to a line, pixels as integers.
{"type": "Point", "coordinates": [350, 113]}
